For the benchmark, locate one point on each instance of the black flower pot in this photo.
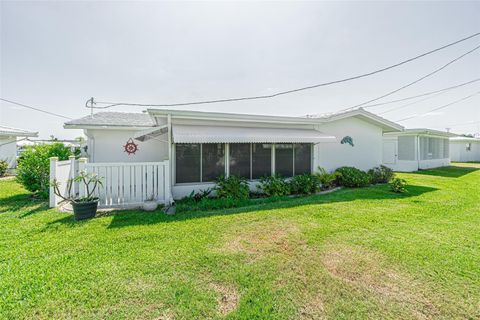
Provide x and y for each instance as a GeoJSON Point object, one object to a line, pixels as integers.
{"type": "Point", "coordinates": [85, 210]}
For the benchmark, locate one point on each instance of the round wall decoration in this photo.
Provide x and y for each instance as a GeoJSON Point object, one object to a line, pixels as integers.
{"type": "Point", "coordinates": [130, 147]}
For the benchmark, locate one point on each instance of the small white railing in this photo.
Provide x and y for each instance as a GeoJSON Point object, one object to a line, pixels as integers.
{"type": "Point", "coordinates": [124, 185]}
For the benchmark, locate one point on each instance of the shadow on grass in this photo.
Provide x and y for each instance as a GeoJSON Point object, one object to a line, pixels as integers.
{"type": "Point", "coordinates": [448, 172]}
{"type": "Point", "coordinates": [25, 203]}
{"type": "Point", "coordinates": [381, 192]}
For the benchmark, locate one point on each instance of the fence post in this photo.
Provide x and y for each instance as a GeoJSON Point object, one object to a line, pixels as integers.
{"type": "Point", "coordinates": [53, 175]}
{"type": "Point", "coordinates": [81, 167]}
{"type": "Point", "coordinates": [168, 187]}
{"type": "Point", "coordinates": [72, 175]}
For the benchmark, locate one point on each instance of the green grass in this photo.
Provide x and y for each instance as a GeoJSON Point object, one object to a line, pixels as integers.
{"type": "Point", "coordinates": [352, 254]}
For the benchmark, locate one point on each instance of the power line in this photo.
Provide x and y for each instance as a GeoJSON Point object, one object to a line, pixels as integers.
{"type": "Point", "coordinates": [422, 94]}
{"type": "Point", "coordinates": [416, 81]}
{"type": "Point", "coordinates": [409, 104]}
{"type": "Point", "coordinates": [112, 104]}
{"type": "Point", "coordinates": [440, 107]}
{"type": "Point", "coordinates": [36, 109]}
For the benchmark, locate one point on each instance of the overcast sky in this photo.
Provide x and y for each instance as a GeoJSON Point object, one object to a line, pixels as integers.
{"type": "Point", "coordinates": [56, 55]}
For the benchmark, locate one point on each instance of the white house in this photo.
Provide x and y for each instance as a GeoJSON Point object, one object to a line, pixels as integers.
{"type": "Point", "coordinates": [414, 149]}
{"type": "Point", "coordinates": [200, 146]}
{"type": "Point", "coordinates": [465, 149]}
{"type": "Point", "coordinates": [8, 143]}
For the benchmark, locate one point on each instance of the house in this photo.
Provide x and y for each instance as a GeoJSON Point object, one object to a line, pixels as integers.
{"type": "Point", "coordinates": [465, 149]}
{"type": "Point", "coordinates": [414, 149]}
{"type": "Point", "coordinates": [201, 146]}
{"type": "Point", "coordinates": [8, 143]}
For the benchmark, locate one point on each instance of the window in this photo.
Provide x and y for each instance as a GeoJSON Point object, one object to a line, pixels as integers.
{"type": "Point", "coordinates": [196, 162]}
{"type": "Point", "coordinates": [469, 147]}
{"type": "Point", "coordinates": [261, 160]}
{"type": "Point", "coordinates": [284, 159]}
{"type": "Point", "coordinates": [187, 163]}
{"type": "Point", "coordinates": [213, 161]}
{"type": "Point", "coordinates": [303, 158]}
{"type": "Point", "coordinates": [240, 154]}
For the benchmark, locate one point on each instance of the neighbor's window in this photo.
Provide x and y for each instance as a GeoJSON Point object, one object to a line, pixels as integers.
{"type": "Point", "coordinates": [284, 159]}
{"type": "Point", "coordinates": [187, 163]}
{"type": "Point", "coordinates": [469, 146]}
{"type": "Point", "coordinates": [240, 154]}
{"type": "Point", "coordinates": [213, 161]}
{"type": "Point", "coordinates": [261, 160]}
{"type": "Point", "coordinates": [303, 158]}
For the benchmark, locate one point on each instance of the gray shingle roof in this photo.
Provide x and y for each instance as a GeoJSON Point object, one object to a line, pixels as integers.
{"type": "Point", "coordinates": [120, 119]}
{"type": "Point", "coordinates": [9, 131]}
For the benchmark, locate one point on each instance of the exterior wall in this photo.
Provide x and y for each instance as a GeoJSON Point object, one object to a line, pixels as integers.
{"type": "Point", "coordinates": [365, 154]}
{"type": "Point", "coordinates": [8, 151]}
{"type": "Point", "coordinates": [107, 146]}
{"type": "Point", "coordinates": [459, 153]}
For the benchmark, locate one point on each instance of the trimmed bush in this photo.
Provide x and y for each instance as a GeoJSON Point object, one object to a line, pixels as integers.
{"type": "Point", "coordinates": [398, 185]}
{"type": "Point", "coordinates": [274, 186]}
{"type": "Point", "coordinates": [232, 187]}
{"type": "Point", "coordinates": [33, 170]}
{"type": "Point", "coordinates": [352, 177]}
{"type": "Point", "coordinates": [3, 168]}
{"type": "Point", "coordinates": [327, 180]}
{"type": "Point", "coordinates": [304, 184]}
{"type": "Point", "coordinates": [381, 174]}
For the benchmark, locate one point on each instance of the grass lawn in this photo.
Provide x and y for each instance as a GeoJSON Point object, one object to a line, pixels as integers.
{"type": "Point", "coordinates": [355, 253]}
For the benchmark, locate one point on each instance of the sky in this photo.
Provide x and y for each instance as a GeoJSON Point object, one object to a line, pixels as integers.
{"type": "Point", "coordinates": [56, 55]}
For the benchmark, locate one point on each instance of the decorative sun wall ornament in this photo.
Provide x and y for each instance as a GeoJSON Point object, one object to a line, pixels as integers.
{"type": "Point", "coordinates": [347, 139]}
{"type": "Point", "coordinates": [130, 147]}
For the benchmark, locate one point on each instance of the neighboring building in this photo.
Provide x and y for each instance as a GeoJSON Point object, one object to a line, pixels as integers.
{"type": "Point", "coordinates": [465, 149]}
{"type": "Point", "coordinates": [200, 146]}
{"type": "Point", "coordinates": [415, 149]}
{"type": "Point", "coordinates": [8, 143]}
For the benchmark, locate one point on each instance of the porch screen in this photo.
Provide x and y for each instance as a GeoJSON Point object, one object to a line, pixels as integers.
{"type": "Point", "coordinates": [406, 148]}
{"type": "Point", "coordinates": [431, 148]}
{"type": "Point", "coordinates": [303, 158]}
{"type": "Point", "coordinates": [284, 159]}
{"type": "Point", "coordinates": [261, 160]}
{"type": "Point", "coordinates": [240, 154]}
{"type": "Point", "coordinates": [187, 162]}
{"type": "Point", "coordinates": [213, 161]}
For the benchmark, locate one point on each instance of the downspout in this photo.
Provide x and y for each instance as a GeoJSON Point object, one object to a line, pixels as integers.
{"type": "Point", "coordinates": [91, 145]}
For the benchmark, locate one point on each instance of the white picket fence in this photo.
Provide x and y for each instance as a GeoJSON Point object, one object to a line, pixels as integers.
{"type": "Point", "coordinates": [124, 185]}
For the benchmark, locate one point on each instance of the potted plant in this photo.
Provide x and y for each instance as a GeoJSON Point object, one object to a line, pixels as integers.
{"type": "Point", "coordinates": [83, 207]}
{"type": "Point", "coordinates": [150, 204]}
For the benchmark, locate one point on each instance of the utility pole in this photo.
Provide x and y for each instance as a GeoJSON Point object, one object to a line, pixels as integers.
{"type": "Point", "coordinates": [89, 104]}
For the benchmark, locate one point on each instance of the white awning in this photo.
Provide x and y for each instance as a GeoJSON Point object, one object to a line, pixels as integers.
{"type": "Point", "coordinates": [218, 134]}
{"type": "Point", "coordinates": [151, 133]}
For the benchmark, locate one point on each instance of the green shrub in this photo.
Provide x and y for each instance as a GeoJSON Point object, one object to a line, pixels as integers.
{"type": "Point", "coordinates": [232, 187]}
{"type": "Point", "coordinates": [197, 196]}
{"type": "Point", "coordinates": [327, 180]}
{"type": "Point", "coordinates": [352, 177]}
{"type": "Point", "coordinates": [274, 186]}
{"type": "Point", "coordinates": [3, 168]}
{"type": "Point", "coordinates": [304, 184]}
{"type": "Point", "coordinates": [398, 185]}
{"type": "Point", "coordinates": [185, 205]}
{"type": "Point", "coordinates": [33, 170]}
{"type": "Point", "coordinates": [381, 174]}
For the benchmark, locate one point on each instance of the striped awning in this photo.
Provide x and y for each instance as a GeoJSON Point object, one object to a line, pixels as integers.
{"type": "Point", "coordinates": [219, 134]}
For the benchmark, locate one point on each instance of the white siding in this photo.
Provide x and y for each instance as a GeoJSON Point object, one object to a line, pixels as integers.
{"type": "Point", "coordinates": [365, 154]}
{"type": "Point", "coordinates": [107, 146]}
{"type": "Point", "coordinates": [458, 151]}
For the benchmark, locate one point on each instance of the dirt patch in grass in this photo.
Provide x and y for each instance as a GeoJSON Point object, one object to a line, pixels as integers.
{"type": "Point", "coordinates": [367, 270]}
{"type": "Point", "coordinates": [228, 297]}
{"type": "Point", "coordinates": [261, 239]}
{"type": "Point", "coordinates": [313, 309]}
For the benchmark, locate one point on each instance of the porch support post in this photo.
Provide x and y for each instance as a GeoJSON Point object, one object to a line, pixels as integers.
{"type": "Point", "coordinates": [53, 174]}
